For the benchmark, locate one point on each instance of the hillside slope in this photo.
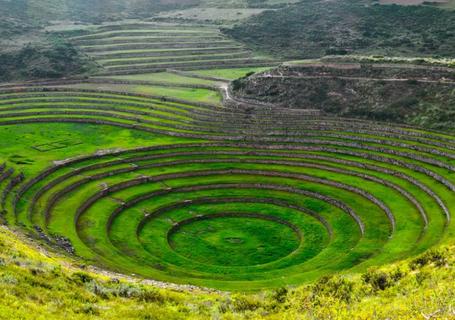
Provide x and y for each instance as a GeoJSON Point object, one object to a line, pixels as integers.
{"type": "Point", "coordinates": [39, 11]}
{"type": "Point", "coordinates": [400, 93]}
{"type": "Point", "coordinates": [313, 28]}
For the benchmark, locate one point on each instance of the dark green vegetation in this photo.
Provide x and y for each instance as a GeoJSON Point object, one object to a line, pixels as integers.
{"type": "Point", "coordinates": [314, 28]}
{"type": "Point", "coordinates": [43, 11]}
{"type": "Point", "coordinates": [52, 59]}
{"type": "Point", "coordinates": [405, 93]}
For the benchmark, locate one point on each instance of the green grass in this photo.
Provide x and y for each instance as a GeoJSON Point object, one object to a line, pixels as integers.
{"type": "Point", "coordinates": [157, 38]}
{"type": "Point", "coordinates": [92, 224]}
{"type": "Point", "coordinates": [238, 237]}
{"type": "Point", "coordinates": [102, 54]}
{"type": "Point", "coordinates": [194, 95]}
{"type": "Point", "coordinates": [164, 77]}
{"type": "Point", "coordinates": [18, 142]}
{"type": "Point", "coordinates": [178, 64]}
{"type": "Point", "coordinates": [190, 94]}
{"type": "Point", "coordinates": [116, 33]}
{"type": "Point", "coordinates": [169, 58]}
{"type": "Point", "coordinates": [189, 43]}
{"type": "Point", "coordinates": [230, 74]}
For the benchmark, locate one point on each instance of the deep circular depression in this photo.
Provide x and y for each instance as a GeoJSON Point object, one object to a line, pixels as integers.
{"type": "Point", "coordinates": [234, 239]}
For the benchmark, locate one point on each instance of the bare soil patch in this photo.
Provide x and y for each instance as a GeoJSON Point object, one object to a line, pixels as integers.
{"type": "Point", "coordinates": [410, 2]}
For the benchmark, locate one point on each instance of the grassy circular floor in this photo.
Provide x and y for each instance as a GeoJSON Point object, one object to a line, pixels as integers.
{"type": "Point", "coordinates": [233, 239]}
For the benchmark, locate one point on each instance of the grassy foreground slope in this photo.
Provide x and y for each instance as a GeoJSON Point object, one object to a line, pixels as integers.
{"type": "Point", "coordinates": [38, 285]}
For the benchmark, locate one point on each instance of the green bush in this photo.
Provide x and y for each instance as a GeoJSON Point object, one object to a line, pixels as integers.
{"type": "Point", "coordinates": [335, 287]}
{"type": "Point", "coordinates": [381, 280]}
{"type": "Point", "coordinates": [436, 257]}
{"type": "Point", "coordinates": [242, 303]}
{"type": "Point", "coordinates": [81, 277]}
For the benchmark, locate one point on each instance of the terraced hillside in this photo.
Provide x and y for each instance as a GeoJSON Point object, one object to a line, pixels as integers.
{"type": "Point", "coordinates": [149, 47]}
{"type": "Point", "coordinates": [233, 196]}
{"type": "Point", "coordinates": [161, 160]}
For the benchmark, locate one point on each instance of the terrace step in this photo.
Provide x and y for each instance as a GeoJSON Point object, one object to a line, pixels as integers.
{"type": "Point", "coordinates": [161, 45]}
{"type": "Point", "coordinates": [167, 53]}
{"type": "Point", "coordinates": [226, 64]}
{"type": "Point", "coordinates": [108, 63]}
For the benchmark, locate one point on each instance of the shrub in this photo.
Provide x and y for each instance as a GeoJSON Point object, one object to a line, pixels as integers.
{"type": "Point", "coordinates": [126, 291]}
{"type": "Point", "coordinates": [406, 102]}
{"type": "Point", "coordinates": [81, 277]}
{"type": "Point", "coordinates": [378, 280]}
{"type": "Point", "coordinates": [381, 280]}
{"type": "Point", "coordinates": [242, 303]}
{"type": "Point", "coordinates": [8, 278]}
{"type": "Point", "coordinates": [422, 276]}
{"type": "Point", "coordinates": [436, 257]}
{"type": "Point", "coordinates": [150, 295]}
{"type": "Point", "coordinates": [88, 309]}
{"type": "Point", "coordinates": [335, 287]}
{"type": "Point", "coordinates": [280, 295]}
